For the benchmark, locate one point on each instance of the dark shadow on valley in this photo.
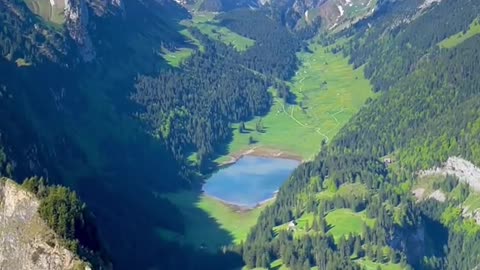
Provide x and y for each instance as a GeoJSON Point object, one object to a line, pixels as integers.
{"type": "Point", "coordinates": [140, 227]}
{"type": "Point", "coordinates": [123, 191]}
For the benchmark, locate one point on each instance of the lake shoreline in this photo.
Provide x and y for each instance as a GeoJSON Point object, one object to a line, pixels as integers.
{"type": "Point", "coordinates": [260, 152]}
{"type": "Point", "coordinates": [239, 208]}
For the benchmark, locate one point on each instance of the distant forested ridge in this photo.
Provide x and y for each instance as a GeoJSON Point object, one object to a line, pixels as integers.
{"type": "Point", "coordinates": [427, 112]}
{"type": "Point", "coordinates": [403, 34]}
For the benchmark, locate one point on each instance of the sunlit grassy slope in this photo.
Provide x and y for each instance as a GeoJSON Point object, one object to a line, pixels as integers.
{"type": "Point", "coordinates": [206, 23]}
{"type": "Point", "coordinates": [328, 93]}
{"type": "Point", "coordinates": [344, 222]}
{"type": "Point", "coordinates": [176, 58]}
{"type": "Point", "coordinates": [226, 36]}
{"type": "Point", "coordinates": [341, 223]}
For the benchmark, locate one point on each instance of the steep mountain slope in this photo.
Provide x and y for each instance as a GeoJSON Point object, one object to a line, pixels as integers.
{"type": "Point", "coordinates": [68, 89]}
{"type": "Point", "coordinates": [66, 115]}
{"type": "Point", "coordinates": [427, 112]}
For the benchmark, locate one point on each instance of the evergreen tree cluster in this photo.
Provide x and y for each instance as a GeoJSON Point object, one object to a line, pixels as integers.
{"type": "Point", "coordinates": [427, 112]}
{"type": "Point", "coordinates": [192, 107]}
{"type": "Point", "coordinates": [24, 36]}
{"type": "Point", "coordinates": [68, 217]}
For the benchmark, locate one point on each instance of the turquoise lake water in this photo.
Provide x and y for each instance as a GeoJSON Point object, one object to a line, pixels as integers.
{"type": "Point", "coordinates": [250, 181]}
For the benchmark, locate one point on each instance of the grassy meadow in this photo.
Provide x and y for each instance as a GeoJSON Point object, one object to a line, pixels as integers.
{"type": "Point", "coordinates": [226, 36]}
{"type": "Point", "coordinates": [328, 93]}
{"type": "Point", "coordinates": [176, 58]}
{"type": "Point", "coordinates": [205, 22]}
{"type": "Point", "coordinates": [343, 222]}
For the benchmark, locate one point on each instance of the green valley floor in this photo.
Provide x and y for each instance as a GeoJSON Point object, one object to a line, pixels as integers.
{"type": "Point", "coordinates": [328, 93]}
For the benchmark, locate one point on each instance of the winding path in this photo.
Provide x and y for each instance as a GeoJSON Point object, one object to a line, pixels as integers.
{"type": "Point", "coordinates": [302, 124]}
{"type": "Point", "coordinates": [302, 78]}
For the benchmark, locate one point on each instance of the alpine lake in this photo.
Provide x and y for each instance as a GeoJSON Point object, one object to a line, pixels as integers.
{"type": "Point", "coordinates": [249, 182]}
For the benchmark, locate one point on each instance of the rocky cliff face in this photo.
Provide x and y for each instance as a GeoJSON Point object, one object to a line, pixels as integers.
{"type": "Point", "coordinates": [76, 20]}
{"type": "Point", "coordinates": [466, 172]}
{"type": "Point", "coordinates": [335, 15]}
{"type": "Point", "coordinates": [332, 13]}
{"type": "Point", "coordinates": [26, 243]}
{"type": "Point", "coordinates": [102, 7]}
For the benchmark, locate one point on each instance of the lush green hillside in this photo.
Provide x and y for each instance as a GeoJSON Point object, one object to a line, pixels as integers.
{"type": "Point", "coordinates": [426, 113]}
{"type": "Point", "coordinates": [323, 92]}
{"type": "Point", "coordinates": [220, 85]}
{"type": "Point", "coordinates": [208, 25]}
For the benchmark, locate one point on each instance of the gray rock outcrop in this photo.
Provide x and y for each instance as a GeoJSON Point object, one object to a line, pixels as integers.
{"type": "Point", "coordinates": [76, 19]}
{"type": "Point", "coordinates": [466, 171]}
{"type": "Point", "coordinates": [26, 243]}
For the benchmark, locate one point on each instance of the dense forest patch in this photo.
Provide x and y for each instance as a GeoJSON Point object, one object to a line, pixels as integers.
{"type": "Point", "coordinates": [192, 107]}
{"type": "Point", "coordinates": [64, 213]}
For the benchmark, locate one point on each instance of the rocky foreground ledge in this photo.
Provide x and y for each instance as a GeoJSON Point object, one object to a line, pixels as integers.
{"type": "Point", "coordinates": [26, 242]}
